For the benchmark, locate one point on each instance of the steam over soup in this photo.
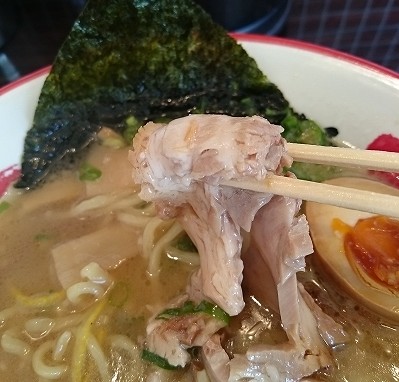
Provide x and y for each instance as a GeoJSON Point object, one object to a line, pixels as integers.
{"type": "Point", "coordinates": [95, 286]}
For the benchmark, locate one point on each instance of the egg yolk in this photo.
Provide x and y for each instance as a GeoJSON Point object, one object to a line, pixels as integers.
{"type": "Point", "coordinates": [373, 244]}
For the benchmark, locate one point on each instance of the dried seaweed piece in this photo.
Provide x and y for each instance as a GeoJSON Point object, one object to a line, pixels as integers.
{"type": "Point", "coordinates": [149, 59]}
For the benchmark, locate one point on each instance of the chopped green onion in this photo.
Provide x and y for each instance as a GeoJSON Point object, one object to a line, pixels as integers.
{"type": "Point", "coordinates": [89, 172]}
{"type": "Point", "coordinates": [213, 310]}
{"type": "Point", "coordinates": [114, 142]}
{"type": "Point", "coordinates": [119, 294]}
{"type": "Point", "coordinates": [157, 360]}
{"type": "Point", "coordinates": [42, 236]}
{"type": "Point", "coordinates": [300, 130]}
{"type": "Point", "coordinates": [132, 126]}
{"type": "Point", "coordinates": [189, 308]}
{"type": "Point", "coordinates": [314, 172]}
{"type": "Point", "coordinates": [185, 244]}
{"type": "Point", "coordinates": [110, 138]}
{"type": "Point", "coordinates": [4, 206]}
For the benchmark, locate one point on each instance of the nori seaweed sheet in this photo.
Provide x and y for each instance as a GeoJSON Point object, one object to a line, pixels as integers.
{"type": "Point", "coordinates": [149, 59]}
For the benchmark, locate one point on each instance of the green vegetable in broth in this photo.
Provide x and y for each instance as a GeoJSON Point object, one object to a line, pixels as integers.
{"type": "Point", "coordinates": [157, 360]}
{"type": "Point", "coordinates": [4, 206]}
{"type": "Point", "coordinates": [88, 172]}
{"type": "Point", "coordinates": [119, 294]}
{"type": "Point", "coordinates": [185, 244]}
{"type": "Point", "coordinates": [129, 61]}
{"type": "Point", "coordinates": [190, 308]}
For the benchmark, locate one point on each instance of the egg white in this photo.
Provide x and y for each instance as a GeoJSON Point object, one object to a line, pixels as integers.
{"type": "Point", "coordinates": [330, 251]}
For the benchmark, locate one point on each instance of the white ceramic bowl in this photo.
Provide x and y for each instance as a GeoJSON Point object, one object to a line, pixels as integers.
{"type": "Point", "coordinates": [361, 99]}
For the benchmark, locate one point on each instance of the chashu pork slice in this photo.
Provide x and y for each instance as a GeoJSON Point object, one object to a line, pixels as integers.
{"type": "Point", "coordinates": [180, 166]}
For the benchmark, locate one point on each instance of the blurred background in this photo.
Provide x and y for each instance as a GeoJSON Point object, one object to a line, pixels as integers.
{"type": "Point", "coordinates": [32, 31]}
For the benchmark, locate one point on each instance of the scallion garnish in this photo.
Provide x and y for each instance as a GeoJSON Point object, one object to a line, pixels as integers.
{"type": "Point", "coordinates": [157, 360]}
{"type": "Point", "coordinates": [132, 126]}
{"type": "Point", "coordinates": [88, 172]}
{"type": "Point", "coordinates": [189, 308]}
{"type": "Point", "coordinates": [185, 244]}
{"type": "Point", "coordinates": [42, 236]}
{"type": "Point", "coordinates": [119, 294]}
{"type": "Point", "coordinates": [4, 206]}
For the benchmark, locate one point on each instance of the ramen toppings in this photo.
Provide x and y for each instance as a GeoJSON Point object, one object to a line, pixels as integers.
{"type": "Point", "coordinates": [386, 142]}
{"type": "Point", "coordinates": [372, 244]}
{"type": "Point", "coordinates": [144, 311]}
{"type": "Point", "coordinates": [171, 161]}
{"type": "Point", "coordinates": [180, 166]}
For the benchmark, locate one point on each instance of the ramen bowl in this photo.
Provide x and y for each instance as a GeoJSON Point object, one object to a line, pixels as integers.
{"type": "Point", "coordinates": [358, 98]}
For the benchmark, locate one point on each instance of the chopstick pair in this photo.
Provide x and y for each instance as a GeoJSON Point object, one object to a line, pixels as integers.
{"type": "Point", "coordinates": [344, 157]}
{"type": "Point", "coordinates": [351, 198]}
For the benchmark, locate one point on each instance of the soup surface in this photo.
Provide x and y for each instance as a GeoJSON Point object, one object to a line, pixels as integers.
{"type": "Point", "coordinates": [84, 264]}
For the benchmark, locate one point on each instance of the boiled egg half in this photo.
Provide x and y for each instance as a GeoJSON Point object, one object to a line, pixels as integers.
{"type": "Point", "coordinates": [360, 250]}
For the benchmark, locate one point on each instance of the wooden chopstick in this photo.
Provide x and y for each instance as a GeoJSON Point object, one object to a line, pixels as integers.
{"type": "Point", "coordinates": [380, 204]}
{"type": "Point", "coordinates": [344, 157]}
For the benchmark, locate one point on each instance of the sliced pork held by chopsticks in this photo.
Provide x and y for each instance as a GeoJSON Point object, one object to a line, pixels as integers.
{"type": "Point", "coordinates": [217, 175]}
{"type": "Point", "coordinates": [214, 172]}
{"type": "Point", "coordinates": [254, 180]}
{"type": "Point", "coordinates": [180, 167]}
{"type": "Point", "coordinates": [360, 200]}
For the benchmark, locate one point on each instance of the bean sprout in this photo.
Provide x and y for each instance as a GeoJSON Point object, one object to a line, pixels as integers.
{"type": "Point", "coordinates": [95, 273]}
{"type": "Point", "coordinates": [155, 258]}
{"type": "Point", "coordinates": [41, 368]}
{"type": "Point", "coordinates": [39, 327]}
{"type": "Point", "coordinates": [12, 344]}
{"type": "Point", "coordinates": [98, 357]}
{"type": "Point", "coordinates": [61, 345]}
{"type": "Point", "coordinates": [75, 292]}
